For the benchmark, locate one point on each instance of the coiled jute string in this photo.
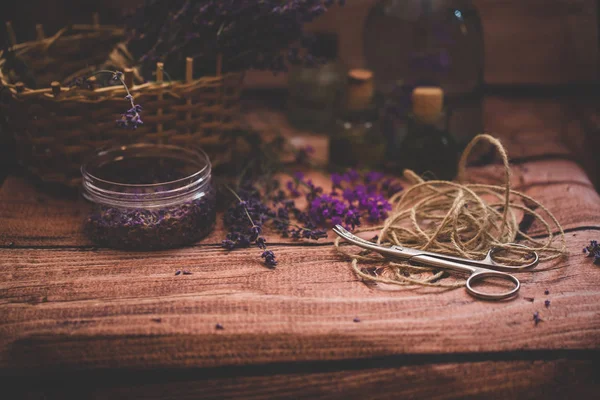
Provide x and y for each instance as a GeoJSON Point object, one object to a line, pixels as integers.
{"type": "Point", "coordinates": [460, 219]}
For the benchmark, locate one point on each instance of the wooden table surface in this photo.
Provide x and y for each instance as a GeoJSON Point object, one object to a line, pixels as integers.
{"type": "Point", "coordinates": [91, 322]}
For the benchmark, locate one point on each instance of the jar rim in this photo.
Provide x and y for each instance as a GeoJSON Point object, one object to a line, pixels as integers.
{"type": "Point", "coordinates": [101, 190]}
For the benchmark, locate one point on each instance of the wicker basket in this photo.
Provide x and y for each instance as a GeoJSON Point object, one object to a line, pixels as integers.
{"type": "Point", "coordinates": [56, 127]}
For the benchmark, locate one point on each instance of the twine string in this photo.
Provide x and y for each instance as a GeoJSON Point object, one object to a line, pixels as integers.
{"type": "Point", "coordinates": [460, 219]}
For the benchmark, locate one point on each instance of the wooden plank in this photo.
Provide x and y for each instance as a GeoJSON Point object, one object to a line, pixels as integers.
{"type": "Point", "coordinates": [506, 379]}
{"type": "Point", "coordinates": [79, 309]}
{"type": "Point", "coordinates": [63, 303]}
{"type": "Point", "coordinates": [528, 128]}
{"type": "Point", "coordinates": [540, 41]}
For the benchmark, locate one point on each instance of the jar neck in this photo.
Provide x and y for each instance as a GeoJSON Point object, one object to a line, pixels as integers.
{"type": "Point", "coordinates": [104, 191]}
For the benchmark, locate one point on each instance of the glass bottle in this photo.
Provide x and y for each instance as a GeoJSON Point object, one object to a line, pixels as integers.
{"type": "Point", "coordinates": [314, 90]}
{"type": "Point", "coordinates": [357, 139]}
{"type": "Point", "coordinates": [428, 149]}
{"type": "Point", "coordinates": [431, 42]}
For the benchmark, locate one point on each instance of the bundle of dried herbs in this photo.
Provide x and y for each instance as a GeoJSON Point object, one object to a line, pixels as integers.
{"type": "Point", "coordinates": [355, 197]}
{"type": "Point", "coordinates": [261, 34]}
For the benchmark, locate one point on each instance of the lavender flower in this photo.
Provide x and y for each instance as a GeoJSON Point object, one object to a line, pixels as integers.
{"type": "Point", "coordinates": [269, 258]}
{"type": "Point", "coordinates": [245, 220]}
{"type": "Point", "coordinates": [361, 197]}
{"type": "Point", "coordinates": [593, 250]}
{"type": "Point", "coordinates": [131, 118]}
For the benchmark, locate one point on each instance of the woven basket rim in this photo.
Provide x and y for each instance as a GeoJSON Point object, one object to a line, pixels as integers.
{"type": "Point", "coordinates": [71, 32]}
{"type": "Point", "coordinates": [174, 88]}
{"type": "Point", "coordinates": [97, 95]}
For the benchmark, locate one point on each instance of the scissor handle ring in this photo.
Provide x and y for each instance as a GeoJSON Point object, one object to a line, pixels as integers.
{"type": "Point", "coordinates": [490, 259]}
{"type": "Point", "coordinates": [480, 275]}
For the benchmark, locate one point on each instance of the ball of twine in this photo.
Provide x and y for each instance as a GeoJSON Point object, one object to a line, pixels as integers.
{"type": "Point", "coordinates": [459, 219]}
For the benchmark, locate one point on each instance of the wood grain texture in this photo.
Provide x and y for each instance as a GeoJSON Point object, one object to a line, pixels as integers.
{"type": "Point", "coordinates": [70, 310]}
{"type": "Point", "coordinates": [129, 310]}
{"type": "Point", "coordinates": [540, 41]}
{"type": "Point", "coordinates": [491, 380]}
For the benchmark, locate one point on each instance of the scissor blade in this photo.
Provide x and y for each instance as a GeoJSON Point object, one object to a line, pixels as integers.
{"type": "Point", "coordinates": [365, 244]}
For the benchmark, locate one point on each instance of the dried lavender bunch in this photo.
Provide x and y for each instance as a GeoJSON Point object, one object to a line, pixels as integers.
{"type": "Point", "coordinates": [245, 220]}
{"type": "Point", "coordinates": [131, 118]}
{"type": "Point", "coordinates": [247, 33]}
{"type": "Point", "coordinates": [355, 197]}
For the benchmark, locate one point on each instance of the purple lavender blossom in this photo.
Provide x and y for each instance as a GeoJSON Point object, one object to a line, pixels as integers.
{"type": "Point", "coordinates": [245, 220]}
{"type": "Point", "coordinates": [593, 250]}
{"type": "Point", "coordinates": [131, 118]}
{"type": "Point", "coordinates": [362, 198]}
{"type": "Point", "coordinates": [536, 318]}
{"type": "Point", "coordinates": [269, 257]}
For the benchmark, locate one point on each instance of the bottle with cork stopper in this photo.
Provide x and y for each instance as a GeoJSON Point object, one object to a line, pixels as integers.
{"type": "Point", "coordinates": [428, 149]}
{"type": "Point", "coordinates": [357, 139]}
{"type": "Point", "coordinates": [315, 89]}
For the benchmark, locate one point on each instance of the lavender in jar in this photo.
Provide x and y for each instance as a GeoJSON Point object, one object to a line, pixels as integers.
{"type": "Point", "coordinates": [149, 197]}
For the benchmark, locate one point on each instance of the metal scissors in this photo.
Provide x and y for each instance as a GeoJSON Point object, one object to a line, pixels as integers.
{"type": "Point", "coordinates": [477, 270]}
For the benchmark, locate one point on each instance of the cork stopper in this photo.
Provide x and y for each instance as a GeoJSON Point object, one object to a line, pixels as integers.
{"type": "Point", "coordinates": [360, 89]}
{"type": "Point", "coordinates": [427, 103]}
{"type": "Point", "coordinates": [55, 86]}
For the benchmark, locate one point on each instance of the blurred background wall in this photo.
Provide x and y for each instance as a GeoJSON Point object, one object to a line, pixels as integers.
{"type": "Point", "coordinates": [526, 41]}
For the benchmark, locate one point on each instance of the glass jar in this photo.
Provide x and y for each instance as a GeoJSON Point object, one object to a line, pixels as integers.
{"type": "Point", "coordinates": [431, 43]}
{"type": "Point", "coordinates": [357, 139]}
{"type": "Point", "coordinates": [314, 90]}
{"type": "Point", "coordinates": [149, 196]}
{"type": "Point", "coordinates": [428, 148]}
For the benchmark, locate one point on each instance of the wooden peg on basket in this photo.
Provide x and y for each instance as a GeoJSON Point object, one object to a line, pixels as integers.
{"type": "Point", "coordinates": [159, 79]}
{"type": "Point", "coordinates": [189, 76]}
{"type": "Point", "coordinates": [159, 72]}
{"type": "Point", "coordinates": [96, 20]}
{"type": "Point", "coordinates": [128, 79]}
{"type": "Point", "coordinates": [12, 38]}
{"type": "Point", "coordinates": [219, 64]}
{"type": "Point", "coordinates": [55, 88]}
{"type": "Point", "coordinates": [189, 69]}
{"type": "Point", "coordinates": [92, 82]}
{"type": "Point", "coordinates": [39, 31]}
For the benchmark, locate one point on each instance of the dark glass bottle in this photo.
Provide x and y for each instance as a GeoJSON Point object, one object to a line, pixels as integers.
{"type": "Point", "coordinates": [431, 42]}
{"type": "Point", "coordinates": [357, 139]}
{"type": "Point", "coordinates": [428, 148]}
{"type": "Point", "coordinates": [314, 90]}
